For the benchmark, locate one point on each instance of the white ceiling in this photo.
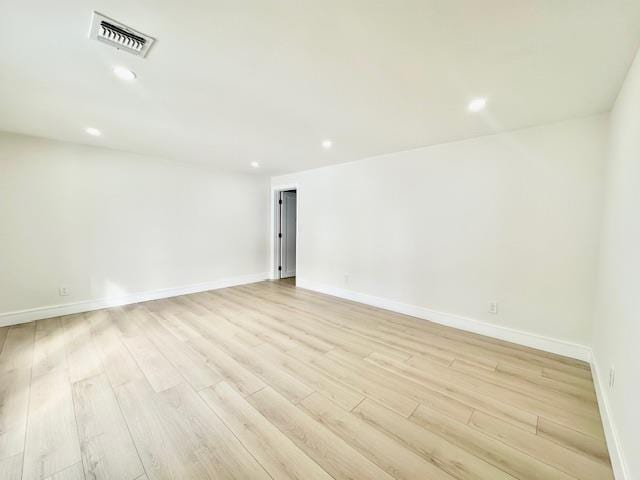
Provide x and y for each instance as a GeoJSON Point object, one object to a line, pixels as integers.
{"type": "Point", "coordinates": [234, 81]}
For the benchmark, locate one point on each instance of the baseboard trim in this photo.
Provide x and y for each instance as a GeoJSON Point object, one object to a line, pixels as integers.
{"type": "Point", "coordinates": [548, 344]}
{"type": "Point", "coordinates": [620, 469]}
{"type": "Point", "coordinates": [29, 315]}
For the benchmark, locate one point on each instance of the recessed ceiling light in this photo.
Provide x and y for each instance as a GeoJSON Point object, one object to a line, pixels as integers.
{"type": "Point", "coordinates": [93, 131]}
{"type": "Point", "coordinates": [124, 73]}
{"type": "Point", "coordinates": [477, 104]}
{"type": "Point", "coordinates": [327, 144]}
{"type": "Point", "coordinates": [255, 164]}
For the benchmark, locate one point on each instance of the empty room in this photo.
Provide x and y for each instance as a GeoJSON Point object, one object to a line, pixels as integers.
{"type": "Point", "coordinates": [305, 240]}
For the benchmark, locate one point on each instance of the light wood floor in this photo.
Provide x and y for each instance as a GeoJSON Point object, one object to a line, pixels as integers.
{"type": "Point", "coordinates": [270, 381]}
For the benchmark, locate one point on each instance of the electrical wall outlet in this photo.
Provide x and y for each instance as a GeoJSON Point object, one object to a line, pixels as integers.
{"type": "Point", "coordinates": [63, 291]}
{"type": "Point", "coordinates": [612, 376]}
{"type": "Point", "coordinates": [493, 308]}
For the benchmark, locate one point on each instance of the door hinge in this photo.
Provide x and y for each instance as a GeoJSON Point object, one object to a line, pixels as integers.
{"type": "Point", "coordinates": [279, 267]}
{"type": "Point", "coordinates": [279, 235]}
{"type": "Point", "coordinates": [280, 201]}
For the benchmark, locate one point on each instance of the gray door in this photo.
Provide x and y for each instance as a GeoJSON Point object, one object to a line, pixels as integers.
{"type": "Point", "coordinates": [288, 231]}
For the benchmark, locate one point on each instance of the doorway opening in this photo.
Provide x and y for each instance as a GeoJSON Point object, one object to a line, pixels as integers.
{"type": "Point", "coordinates": [286, 235]}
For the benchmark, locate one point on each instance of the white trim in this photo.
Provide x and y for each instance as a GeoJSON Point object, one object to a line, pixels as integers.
{"type": "Point", "coordinates": [29, 315]}
{"type": "Point", "coordinates": [620, 469]}
{"type": "Point", "coordinates": [548, 344]}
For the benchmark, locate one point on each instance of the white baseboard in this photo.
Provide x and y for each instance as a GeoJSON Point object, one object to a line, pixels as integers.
{"type": "Point", "coordinates": [620, 470]}
{"type": "Point", "coordinates": [548, 344]}
{"type": "Point", "coordinates": [29, 315]}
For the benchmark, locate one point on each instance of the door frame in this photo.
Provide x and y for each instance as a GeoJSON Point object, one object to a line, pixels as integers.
{"type": "Point", "coordinates": [274, 196]}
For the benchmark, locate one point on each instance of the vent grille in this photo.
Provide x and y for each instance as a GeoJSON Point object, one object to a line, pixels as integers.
{"type": "Point", "coordinates": [116, 34]}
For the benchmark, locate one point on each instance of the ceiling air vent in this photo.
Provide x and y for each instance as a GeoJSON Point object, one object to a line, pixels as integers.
{"type": "Point", "coordinates": [116, 34]}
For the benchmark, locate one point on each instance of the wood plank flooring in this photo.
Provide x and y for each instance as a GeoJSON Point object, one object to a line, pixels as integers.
{"type": "Point", "coordinates": [268, 381]}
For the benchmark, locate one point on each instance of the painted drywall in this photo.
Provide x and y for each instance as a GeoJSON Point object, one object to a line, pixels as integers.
{"type": "Point", "coordinates": [512, 218]}
{"type": "Point", "coordinates": [616, 339]}
{"type": "Point", "coordinates": [108, 224]}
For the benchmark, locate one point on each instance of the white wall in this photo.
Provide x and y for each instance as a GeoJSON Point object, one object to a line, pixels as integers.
{"type": "Point", "coordinates": [617, 325]}
{"type": "Point", "coordinates": [106, 223]}
{"type": "Point", "coordinates": [512, 217]}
